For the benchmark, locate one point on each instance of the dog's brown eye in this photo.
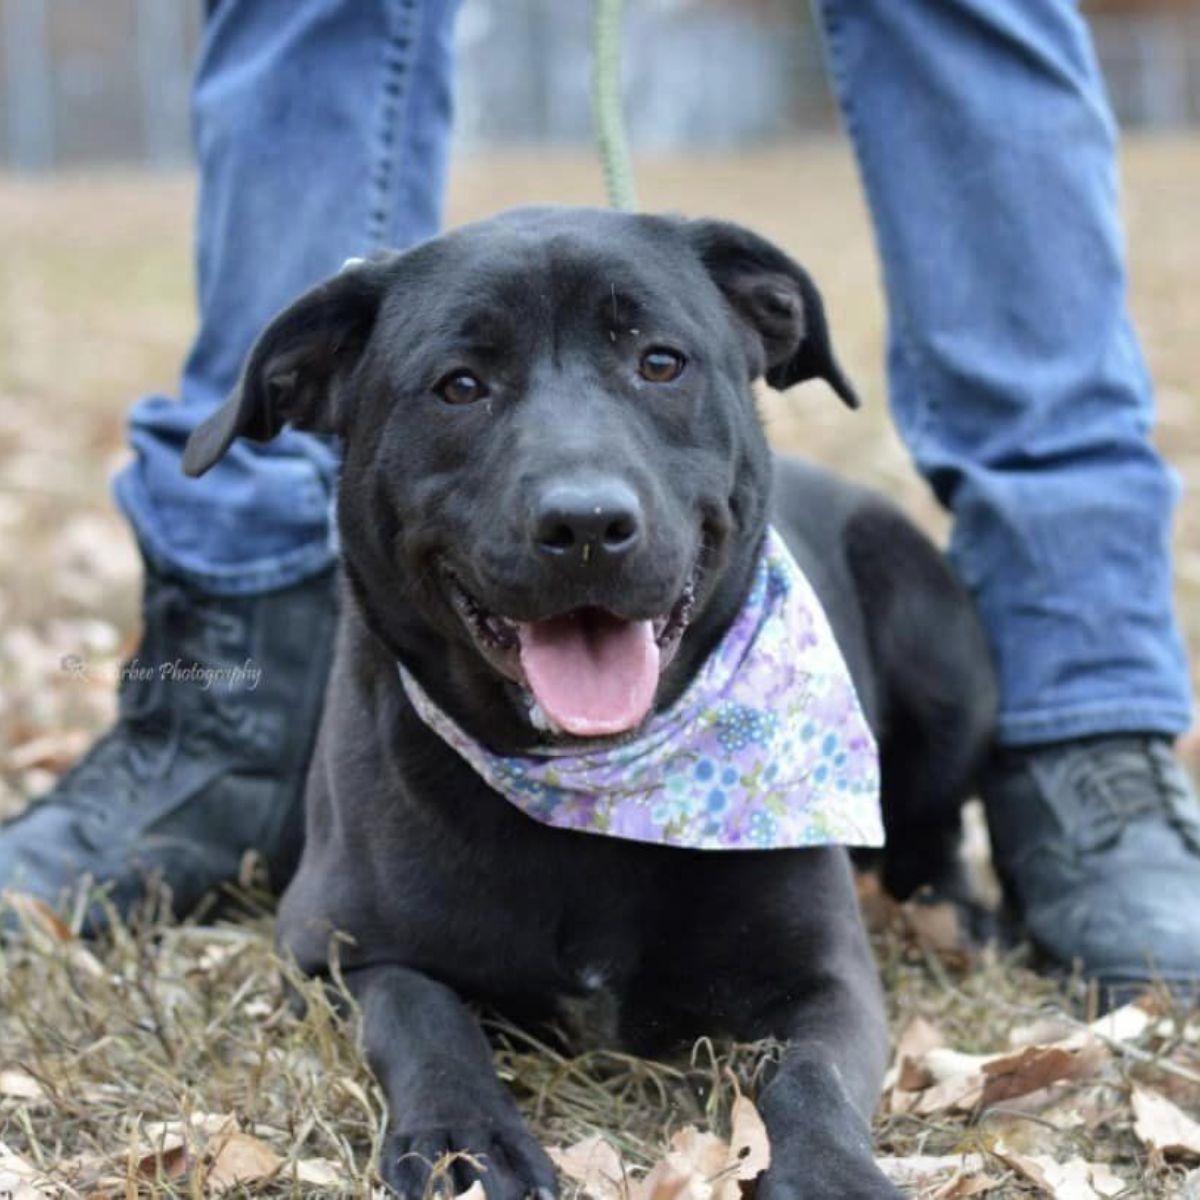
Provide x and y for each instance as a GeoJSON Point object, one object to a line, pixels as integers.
{"type": "Point", "coordinates": [461, 387]}
{"type": "Point", "coordinates": [660, 365]}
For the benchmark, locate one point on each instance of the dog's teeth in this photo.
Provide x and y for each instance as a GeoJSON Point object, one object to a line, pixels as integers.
{"type": "Point", "coordinates": [537, 716]}
{"type": "Point", "coordinates": [501, 631]}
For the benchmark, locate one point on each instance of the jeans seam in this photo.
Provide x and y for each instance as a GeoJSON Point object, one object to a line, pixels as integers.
{"type": "Point", "coordinates": [397, 53]}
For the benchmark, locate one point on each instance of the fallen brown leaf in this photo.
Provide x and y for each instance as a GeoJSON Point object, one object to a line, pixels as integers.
{"type": "Point", "coordinates": [1125, 1024]}
{"type": "Point", "coordinates": [960, 1094]}
{"type": "Point", "coordinates": [1162, 1126]}
{"type": "Point", "coordinates": [324, 1173]}
{"type": "Point", "coordinates": [20, 1085]}
{"type": "Point", "coordinates": [939, 1079]}
{"type": "Point", "coordinates": [954, 1083]}
{"type": "Point", "coordinates": [19, 1179]}
{"type": "Point", "coordinates": [918, 1038]}
{"type": "Point", "coordinates": [1037, 1067]}
{"type": "Point", "coordinates": [117, 1175]}
{"type": "Point", "coordinates": [595, 1165]}
{"type": "Point", "coordinates": [696, 1168]}
{"type": "Point", "coordinates": [159, 1151]}
{"type": "Point", "coordinates": [701, 1166]}
{"type": "Point", "coordinates": [962, 1187]}
{"type": "Point", "coordinates": [240, 1158]}
{"type": "Point", "coordinates": [1071, 1180]}
{"type": "Point", "coordinates": [1041, 1031]}
{"type": "Point", "coordinates": [927, 927]}
{"type": "Point", "coordinates": [172, 1159]}
{"type": "Point", "coordinates": [937, 1175]}
{"type": "Point", "coordinates": [698, 1165]}
{"type": "Point", "coordinates": [943, 1063]}
{"type": "Point", "coordinates": [936, 927]}
{"type": "Point", "coordinates": [749, 1147]}
{"type": "Point", "coordinates": [906, 1074]}
{"type": "Point", "coordinates": [37, 914]}
{"type": "Point", "coordinates": [42, 921]}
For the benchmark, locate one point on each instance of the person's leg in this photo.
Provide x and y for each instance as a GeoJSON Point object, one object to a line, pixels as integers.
{"type": "Point", "coordinates": [322, 132]}
{"type": "Point", "coordinates": [988, 154]}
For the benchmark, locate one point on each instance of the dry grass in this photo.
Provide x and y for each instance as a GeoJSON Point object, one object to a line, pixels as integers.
{"type": "Point", "coordinates": [161, 1022]}
{"type": "Point", "coordinates": [127, 1062]}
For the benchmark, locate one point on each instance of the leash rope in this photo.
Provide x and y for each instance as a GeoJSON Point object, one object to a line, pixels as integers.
{"type": "Point", "coordinates": [607, 116]}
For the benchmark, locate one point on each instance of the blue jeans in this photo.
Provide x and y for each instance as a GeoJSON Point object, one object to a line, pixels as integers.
{"type": "Point", "coordinates": [988, 154]}
{"type": "Point", "coordinates": [322, 129]}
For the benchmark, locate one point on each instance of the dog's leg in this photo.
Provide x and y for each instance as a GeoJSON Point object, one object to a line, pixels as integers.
{"type": "Point", "coordinates": [771, 945]}
{"type": "Point", "coordinates": [443, 1095]}
{"type": "Point", "coordinates": [818, 1103]}
{"type": "Point", "coordinates": [935, 676]}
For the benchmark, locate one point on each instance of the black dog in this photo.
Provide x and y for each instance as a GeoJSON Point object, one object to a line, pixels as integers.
{"type": "Point", "coordinates": [551, 413]}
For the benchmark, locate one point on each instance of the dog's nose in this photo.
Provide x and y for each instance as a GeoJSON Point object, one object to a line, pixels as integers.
{"type": "Point", "coordinates": [587, 522]}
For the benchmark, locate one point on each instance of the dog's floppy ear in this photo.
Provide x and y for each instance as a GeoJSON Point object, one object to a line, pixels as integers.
{"type": "Point", "coordinates": [296, 370]}
{"type": "Point", "coordinates": [777, 302]}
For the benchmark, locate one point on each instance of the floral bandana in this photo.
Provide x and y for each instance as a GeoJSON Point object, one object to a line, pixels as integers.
{"type": "Point", "coordinates": [767, 748]}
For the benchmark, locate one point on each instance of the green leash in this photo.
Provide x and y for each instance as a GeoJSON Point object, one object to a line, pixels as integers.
{"type": "Point", "coordinates": [607, 116]}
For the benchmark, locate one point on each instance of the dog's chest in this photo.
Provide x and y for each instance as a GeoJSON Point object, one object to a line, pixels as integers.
{"type": "Point", "coordinates": [597, 954]}
{"type": "Point", "coordinates": [591, 1015]}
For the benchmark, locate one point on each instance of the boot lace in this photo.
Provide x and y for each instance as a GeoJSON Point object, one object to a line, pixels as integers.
{"type": "Point", "coordinates": [1126, 781]}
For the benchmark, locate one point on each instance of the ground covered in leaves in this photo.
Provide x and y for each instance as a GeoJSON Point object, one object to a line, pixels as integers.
{"type": "Point", "coordinates": [174, 1059]}
{"type": "Point", "coordinates": [166, 1059]}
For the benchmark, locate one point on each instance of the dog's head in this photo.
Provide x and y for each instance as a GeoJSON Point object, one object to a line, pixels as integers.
{"type": "Point", "coordinates": [555, 482]}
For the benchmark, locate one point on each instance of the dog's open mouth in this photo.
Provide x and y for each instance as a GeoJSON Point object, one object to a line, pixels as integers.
{"type": "Point", "coordinates": [589, 672]}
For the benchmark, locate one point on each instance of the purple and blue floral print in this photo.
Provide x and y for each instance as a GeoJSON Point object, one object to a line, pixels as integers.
{"type": "Point", "coordinates": [768, 747]}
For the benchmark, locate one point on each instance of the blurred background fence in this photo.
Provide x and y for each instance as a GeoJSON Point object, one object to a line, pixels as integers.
{"type": "Point", "coordinates": [96, 82]}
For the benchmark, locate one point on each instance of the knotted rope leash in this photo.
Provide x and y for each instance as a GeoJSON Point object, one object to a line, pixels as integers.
{"type": "Point", "coordinates": [607, 115]}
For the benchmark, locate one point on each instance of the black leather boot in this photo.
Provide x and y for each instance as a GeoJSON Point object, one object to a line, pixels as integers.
{"type": "Point", "coordinates": [1097, 843]}
{"type": "Point", "coordinates": [218, 712]}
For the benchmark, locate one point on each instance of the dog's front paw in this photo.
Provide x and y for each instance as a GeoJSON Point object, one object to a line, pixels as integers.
{"type": "Point", "coordinates": [505, 1159]}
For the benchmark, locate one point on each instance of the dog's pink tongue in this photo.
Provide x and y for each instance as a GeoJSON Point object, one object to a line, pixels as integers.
{"type": "Point", "coordinates": [592, 673]}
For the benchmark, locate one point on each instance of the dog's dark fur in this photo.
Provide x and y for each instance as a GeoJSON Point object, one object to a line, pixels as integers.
{"type": "Point", "coordinates": [447, 891]}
